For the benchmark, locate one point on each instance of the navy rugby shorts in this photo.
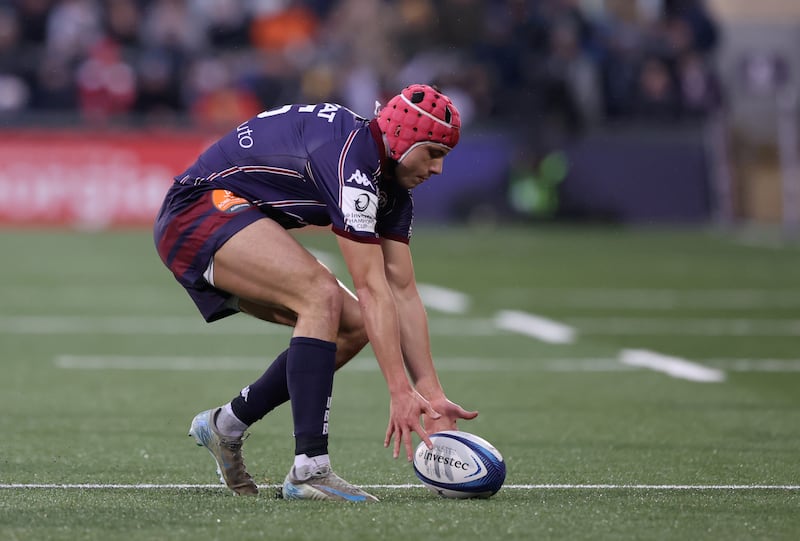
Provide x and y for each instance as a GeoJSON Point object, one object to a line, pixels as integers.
{"type": "Point", "coordinates": [191, 226]}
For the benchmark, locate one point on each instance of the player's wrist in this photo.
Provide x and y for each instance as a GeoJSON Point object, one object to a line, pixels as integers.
{"type": "Point", "coordinates": [431, 389]}
{"type": "Point", "coordinates": [399, 388]}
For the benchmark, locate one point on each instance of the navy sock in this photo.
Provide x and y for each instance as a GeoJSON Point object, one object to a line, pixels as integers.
{"type": "Point", "coordinates": [309, 374]}
{"type": "Point", "coordinates": [265, 394]}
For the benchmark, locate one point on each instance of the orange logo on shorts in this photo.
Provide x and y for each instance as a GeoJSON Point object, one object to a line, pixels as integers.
{"type": "Point", "coordinates": [227, 201]}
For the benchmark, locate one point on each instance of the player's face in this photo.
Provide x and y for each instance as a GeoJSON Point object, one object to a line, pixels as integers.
{"type": "Point", "coordinates": [419, 164]}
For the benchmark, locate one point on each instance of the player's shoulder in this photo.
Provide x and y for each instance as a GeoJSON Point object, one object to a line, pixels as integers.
{"type": "Point", "coordinates": [348, 141]}
{"type": "Point", "coordinates": [320, 113]}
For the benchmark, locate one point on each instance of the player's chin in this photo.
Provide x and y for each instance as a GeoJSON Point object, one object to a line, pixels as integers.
{"type": "Point", "coordinates": [410, 180]}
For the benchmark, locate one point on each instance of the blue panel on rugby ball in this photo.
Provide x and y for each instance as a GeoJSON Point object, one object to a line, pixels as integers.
{"type": "Point", "coordinates": [460, 465]}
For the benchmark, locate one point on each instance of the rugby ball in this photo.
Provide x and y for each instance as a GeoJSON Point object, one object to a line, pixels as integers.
{"type": "Point", "coordinates": [460, 465]}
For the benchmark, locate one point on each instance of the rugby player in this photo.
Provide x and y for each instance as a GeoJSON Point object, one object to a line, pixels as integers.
{"type": "Point", "coordinates": [222, 231]}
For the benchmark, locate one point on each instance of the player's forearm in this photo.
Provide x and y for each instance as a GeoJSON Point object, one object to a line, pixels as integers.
{"type": "Point", "coordinates": [383, 331]}
{"type": "Point", "coordinates": [366, 265]}
{"type": "Point", "coordinates": [415, 339]}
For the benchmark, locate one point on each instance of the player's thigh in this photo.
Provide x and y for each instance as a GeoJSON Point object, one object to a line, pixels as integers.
{"type": "Point", "coordinates": [263, 263]}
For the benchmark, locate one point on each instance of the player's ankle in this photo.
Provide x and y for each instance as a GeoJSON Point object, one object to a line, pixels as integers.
{"type": "Point", "coordinates": [227, 424]}
{"type": "Point", "coordinates": [305, 466]}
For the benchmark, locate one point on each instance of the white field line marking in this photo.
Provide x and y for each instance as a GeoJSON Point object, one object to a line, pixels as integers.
{"type": "Point", "coordinates": [756, 365]}
{"type": "Point", "coordinates": [239, 325]}
{"type": "Point", "coordinates": [617, 298]}
{"type": "Point", "coordinates": [444, 299]}
{"type": "Point", "coordinates": [535, 326]}
{"type": "Point", "coordinates": [368, 364]}
{"type": "Point", "coordinates": [149, 486]}
{"type": "Point", "coordinates": [673, 366]}
{"type": "Point", "coordinates": [684, 326]}
{"type": "Point", "coordinates": [509, 321]}
{"type": "Point", "coordinates": [653, 299]}
{"type": "Point", "coordinates": [359, 364]}
{"type": "Point", "coordinates": [75, 295]}
{"type": "Point", "coordinates": [157, 325]}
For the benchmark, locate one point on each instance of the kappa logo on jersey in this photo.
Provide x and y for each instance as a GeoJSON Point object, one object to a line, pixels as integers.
{"type": "Point", "coordinates": [359, 179]}
{"type": "Point", "coordinates": [227, 201]}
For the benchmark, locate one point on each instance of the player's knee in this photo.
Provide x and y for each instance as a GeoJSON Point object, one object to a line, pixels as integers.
{"type": "Point", "coordinates": [352, 334]}
{"type": "Point", "coordinates": [325, 297]}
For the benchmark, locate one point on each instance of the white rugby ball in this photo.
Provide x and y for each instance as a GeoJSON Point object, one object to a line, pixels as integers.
{"type": "Point", "coordinates": [460, 465]}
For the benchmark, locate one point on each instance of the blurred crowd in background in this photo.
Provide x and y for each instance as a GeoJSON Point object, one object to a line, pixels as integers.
{"type": "Point", "coordinates": [216, 62]}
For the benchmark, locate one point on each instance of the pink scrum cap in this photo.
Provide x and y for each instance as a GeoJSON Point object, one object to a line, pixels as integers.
{"type": "Point", "coordinates": [419, 114]}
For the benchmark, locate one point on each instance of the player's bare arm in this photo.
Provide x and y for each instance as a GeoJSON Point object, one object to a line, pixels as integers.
{"type": "Point", "coordinates": [365, 263]}
{"type": "Point", "coordinates": [415, 338]}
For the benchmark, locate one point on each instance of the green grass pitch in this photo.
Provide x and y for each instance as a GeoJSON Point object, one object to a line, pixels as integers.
{"type": "Point", "coordinates": [105, 361]}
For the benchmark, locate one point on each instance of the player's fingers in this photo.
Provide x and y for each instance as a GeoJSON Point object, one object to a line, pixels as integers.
{"type": "Point", "coordinates": [423, 434]}
{"type": "Point", "coordinates": [388, 436]}
{"type": "Point", "coordinates": [407, 442]}
{"type": "Point", "coordinates": [464, 414]}
{"type": "Point", "coordinates": [397, 437]}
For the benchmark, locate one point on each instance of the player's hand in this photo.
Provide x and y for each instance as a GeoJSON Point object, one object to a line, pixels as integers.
{"type": "Point", "coordinates": [405, 409]}
{"type": "Point", "coordinates": [449, 414]}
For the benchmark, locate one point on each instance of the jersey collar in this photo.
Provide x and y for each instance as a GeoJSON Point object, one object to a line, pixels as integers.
{"type": "Point", "coordinates": [377, 135]}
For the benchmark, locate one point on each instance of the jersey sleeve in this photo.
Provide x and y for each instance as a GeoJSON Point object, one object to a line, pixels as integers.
{"type": "Point", "coordinates": [395, 213]}
{"type": "Point", "coordinates": [345, 172]}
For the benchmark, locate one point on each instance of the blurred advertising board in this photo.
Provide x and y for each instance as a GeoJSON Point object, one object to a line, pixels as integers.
{"type": "Point", "coordinates": [89, 180]}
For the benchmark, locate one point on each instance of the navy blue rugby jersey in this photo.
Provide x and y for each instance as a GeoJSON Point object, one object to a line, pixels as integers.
{"type": "Point", "coordinates": [309, 165]}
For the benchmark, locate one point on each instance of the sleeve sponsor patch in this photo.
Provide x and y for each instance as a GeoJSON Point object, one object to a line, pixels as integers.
{"type": "Point", "coordinates": [227, 201]}
{"type": "Point", "coordinates": [360, 209]}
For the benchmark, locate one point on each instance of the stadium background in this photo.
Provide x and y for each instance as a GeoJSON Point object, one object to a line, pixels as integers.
{"type": "Point", "coordinates": [634, 111]}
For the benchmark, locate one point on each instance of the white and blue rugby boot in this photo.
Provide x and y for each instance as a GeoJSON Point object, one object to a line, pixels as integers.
{"type": "Point", "coordinates": [227, 453]}
{"type": "Point", "coordinates": [322, 484]}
